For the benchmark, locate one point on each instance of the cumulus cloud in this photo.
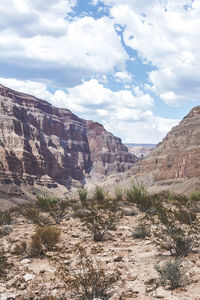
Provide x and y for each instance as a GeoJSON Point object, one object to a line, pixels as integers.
{"type": "Point", "coordinates": [37, 35]}
{"type": "Point", "coordinates": [124, 77]}
{"type": "Point", "coordinates": [123, 113]}
{"type": "Point", "coordinates": [150, 130]}
{"type": "Point", "coordinates": [165, 33]}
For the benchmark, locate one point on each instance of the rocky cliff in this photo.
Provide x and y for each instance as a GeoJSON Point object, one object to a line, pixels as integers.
{"type": "Point", "coordinates": [48, 146]}
{"type": "Point", "coordinates": [178, 156]}
{"type": "Point", "coordinates": [108, 154]}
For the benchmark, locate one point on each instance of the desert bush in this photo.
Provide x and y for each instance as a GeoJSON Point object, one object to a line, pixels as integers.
{"type": "Point", "coordinates": [175, 230]}
{"type": "Point", "coordinates": [99, 194]}
{"type": "Point", "coordinates": [58, 210]}
{"type": "Point", "coordinates": [34, 215]}
{"type": "Point", "coordinates": [4, 265]}
{"type": "Point", "coordinates": [83, 197]}
{"type": "Point", "coordinates": [175, 240]}
{"type": "Point", "coordinates": [45, 201]}
{"type": "Point", "coordinates": [99, 221]}
{"type": "Point", "coordinates": [36, 248]}
{"type": "Point", "coordinates": [119, 194]}
{"type": "Point", "coordinates": [137, 194]}
{"type": "Point", "coordinates": [141, 231]}
{"type": "Point", "coordinates": [5, 217]}
{"type": "Point", "coordinates": [195, 196]}
{"type": "Point", "coordinates": [48, 236]}
{"type": "Point", "coordinates": [172, 275]}
{"type": "Point", "coordinates": [88, 280]}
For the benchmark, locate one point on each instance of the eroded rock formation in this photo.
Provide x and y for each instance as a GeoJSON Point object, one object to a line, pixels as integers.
{"type": "Point", "coordinates": [178, 156]}
{"type": "Point", "coordinates": [48, 146]}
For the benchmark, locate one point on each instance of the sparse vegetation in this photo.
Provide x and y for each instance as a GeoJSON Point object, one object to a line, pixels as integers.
{"type": "Point", "coordinates": [99, 194]}
{"type": "Point", "coordinates": [58, 210]}
{"type": "Point", "coordinates": [44, 239]}
{"type": "Point", "coordinates": [119, 194]}
{"type": "Point", "coordinates": [175, 240]}
{"type": "Point", "coordinates": [172, 274]}
{"type": "Point", "coordinates": [83, 197]}
{"type": "Point", "coordinates": [99, 221]}
{"type": "Point", "coordinates": [34, 215]}
{"type": "Point", "coordinates": [172, 222]}
{"type": "Point", "coordinates": [137, 194]}
{"type": "Point", "coordinates": [45, 201]}
{"type": "Point", "coordinates": [88, 280]}
{"type": "Point", "coordinates": [176, 225]}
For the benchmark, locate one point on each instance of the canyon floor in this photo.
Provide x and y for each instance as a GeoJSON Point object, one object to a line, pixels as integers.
{"type": "Point", "coordinates": [38, 278]}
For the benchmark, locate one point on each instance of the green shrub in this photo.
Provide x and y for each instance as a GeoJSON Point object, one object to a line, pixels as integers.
{"type": "Point", "coordinates": [99, 194]}
{"type": "Point", "coordinates": [141, 231]}
{"type": "Point", "coordinates": [172, 274]}
{"type": "Point", "coordinates": [45, 201]}
{"type": "Point", "coordinates": [175, 240]}
{"type": "Point", "coordinates": [83, 197]}
{"type": "Point", "coordinates": [195, 196]}
{"type": "Point", "coordinates": [58, 210]}
{"type": "Point", "coordinates": [118, 194]}
{"type": "Point", "coordinates": [89, 280]}
{"type": "Point", "coordinates": [175, 231]}
{"type": "Point", "coordinates": [99, 221]}
{"type": "Point", "coordinates": [138, 195]}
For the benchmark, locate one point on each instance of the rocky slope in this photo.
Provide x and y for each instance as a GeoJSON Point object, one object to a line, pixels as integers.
{"type": "Point", "coordinates": [37, 277]}
{"type": "Point", "coordinates": [173, 165]}
{"type": "Point", "coordinates": [48, 146]}
{"type": "Point", "coordinates": [178, 155]}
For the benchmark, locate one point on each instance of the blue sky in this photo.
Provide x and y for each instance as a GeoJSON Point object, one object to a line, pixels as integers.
{"type": "Point", "coordinates": [133, 66]}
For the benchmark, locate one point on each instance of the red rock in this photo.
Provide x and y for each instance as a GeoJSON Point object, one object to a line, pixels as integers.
{"type": "Point", "coordinates": [178, 156]}
{"type": "Point", "coordinates": [44, 145]}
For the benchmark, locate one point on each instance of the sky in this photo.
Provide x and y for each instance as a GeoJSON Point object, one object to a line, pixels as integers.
{"type": "Point", "coordinates": [132, 65]}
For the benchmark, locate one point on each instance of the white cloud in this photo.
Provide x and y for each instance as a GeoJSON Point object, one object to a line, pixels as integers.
{"type": "Point", "coordinates": [36, 89]}
{"type": "Point", "coordinates": [166, 34]}
{"type": "Point", "coordinates": [150, 130]}
{"type": "Point", "coordinates": [123, 113]}
{"type": "Point", "coordinates": [123, 77]}
{"type": "Point", "coordinates": [34, 34]}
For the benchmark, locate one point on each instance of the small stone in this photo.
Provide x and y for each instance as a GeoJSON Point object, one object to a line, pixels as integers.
{"type": "Point", "coordinates": [160, 293]}
{"type": "Point", "coordinates": [25, 261]}
{"type": "Point", "coordinates": [118, 259]}
{"type": "Point", "coordinates": [27, 277]}
{"type": "Point", "coordinates": [130, 211]}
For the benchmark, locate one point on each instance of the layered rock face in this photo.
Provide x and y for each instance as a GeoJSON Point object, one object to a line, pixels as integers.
{"type": "Point", "coordinates": [108, 154]}
{"type": "Point", "coordinates": [178, 156]}
{"type": "Point", "coordinates": [48, 146]}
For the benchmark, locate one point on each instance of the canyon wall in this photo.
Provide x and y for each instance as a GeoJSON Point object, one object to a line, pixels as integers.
{"type": "Point", "coordinates": [44, 145]}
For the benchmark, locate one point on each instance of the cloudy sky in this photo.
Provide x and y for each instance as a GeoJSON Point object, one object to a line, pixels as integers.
{"type": "Point", "coordinates": [133, 65]}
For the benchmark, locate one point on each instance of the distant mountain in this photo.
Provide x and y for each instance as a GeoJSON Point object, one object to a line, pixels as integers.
{"type": "Point", "coordinates": [140, 150]}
